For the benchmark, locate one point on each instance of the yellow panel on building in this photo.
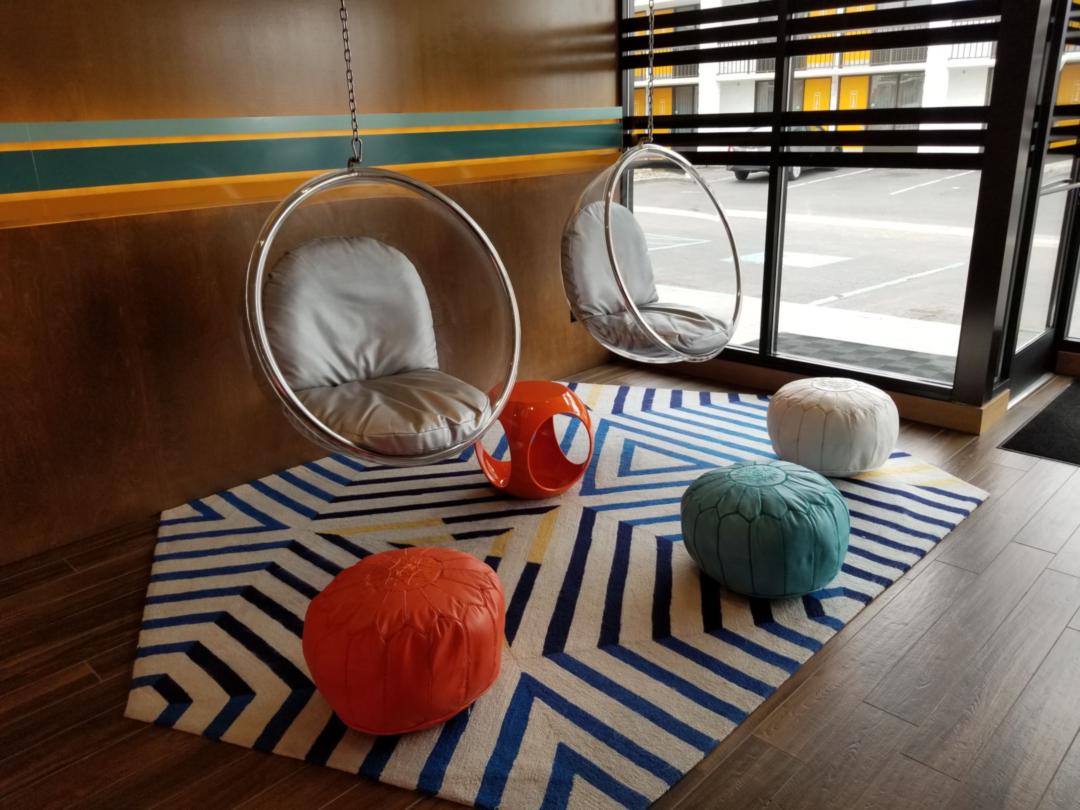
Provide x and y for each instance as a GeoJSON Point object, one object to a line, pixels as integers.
{"type": "Point", "coordinates": [663, 102]}
{"type": "Point", "coordinates": [814, 60]}
{"type": "Point", "coordinates": [857, 57]}
{"type": "Point", "coordinates": [1069, 84]}
{"type": "Point", "coordinates": [854, 95]}
{"type": "Point", "coordinates": [1068, 92]}
{"type": "Point", "coordinates": [660, 71]}
{"type": "Point", "coordinates": [817, 94]}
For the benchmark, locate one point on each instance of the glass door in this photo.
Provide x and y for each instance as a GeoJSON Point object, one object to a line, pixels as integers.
{"type": "Point", "coordinates": [1042, 272]}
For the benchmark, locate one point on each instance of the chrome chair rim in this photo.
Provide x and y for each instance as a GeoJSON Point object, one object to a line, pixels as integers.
{"type": "Point", "coordinates": [615, 174]}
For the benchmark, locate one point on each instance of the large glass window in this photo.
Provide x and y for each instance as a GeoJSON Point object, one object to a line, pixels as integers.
{"type": "Point", "coordinates": [763, 96]}
{"type": "Point", "coordinates": [1037, 307]}
{"type": "Point", "coordinates": [686, 259]}
{"type": "Point", "coordinates": [896, 90]}
{"type": "Point", "coordinates": [875, 218]}
{"type": "Point", "coordinates": [875, 266]}
{"type": "Point", "coordinates": [875, 260]}
{"type": "Point", "coordinates": [684, 99]}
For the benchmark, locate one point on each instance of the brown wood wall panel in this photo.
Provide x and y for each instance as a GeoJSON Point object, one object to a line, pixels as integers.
{"type": "Point", "coordinates": [129, 387]}
{"type": "Point", "coordinates": [73, 60]}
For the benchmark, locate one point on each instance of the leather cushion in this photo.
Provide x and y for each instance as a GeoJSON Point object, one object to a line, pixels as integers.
{"type": "Point", "coordinates": [587, 273]}
{"type": "Point", "coordinates": [406, 414]}
{"type": "Point", "coordinates": [684, 327]}
{"type": "Point", "coordinates": [406, 639]}
{"type": "Point", "coordinates": [834, 425]}
{"type": "Point", "coordinates": [768, 529]}
{"type": "Point", "coordinates": [343, 309]}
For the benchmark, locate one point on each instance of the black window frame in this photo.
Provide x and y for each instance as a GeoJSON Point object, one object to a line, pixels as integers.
{"type": "Point", "coordinates": [1027, 35]}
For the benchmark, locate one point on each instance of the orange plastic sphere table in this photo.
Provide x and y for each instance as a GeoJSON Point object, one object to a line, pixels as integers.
{"type": "Point", "coordinates": [404, 640]}
{"type": "Point", "coordinates": [537, 468]}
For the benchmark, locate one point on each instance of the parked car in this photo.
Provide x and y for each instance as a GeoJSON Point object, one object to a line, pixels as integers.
{"type": "Point", "coordinates": [793, 172]}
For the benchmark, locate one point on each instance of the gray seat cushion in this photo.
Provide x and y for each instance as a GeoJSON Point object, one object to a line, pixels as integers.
{"type": "Point", "coordinates": [344, 309]}
{"type": "Point", "coordinates": [587, 275]}
{"type": "Point", "coordinates": [597, 302]}
{"type": "Point", "coordinates": [687, 329]}
{"type": "Point", "coordinates": [407, 414]}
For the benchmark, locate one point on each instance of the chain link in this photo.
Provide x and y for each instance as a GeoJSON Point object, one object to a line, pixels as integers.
{"type": "Point", "coordinates": [648, 72]}
{"type": "Point", "coordinates": [357, 144]}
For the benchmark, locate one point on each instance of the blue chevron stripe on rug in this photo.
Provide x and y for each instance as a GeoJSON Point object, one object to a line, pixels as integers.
{"type": "Point", "coordinates": [623, 665]}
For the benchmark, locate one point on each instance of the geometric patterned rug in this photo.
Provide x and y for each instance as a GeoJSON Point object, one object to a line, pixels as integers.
{"type": "Point", "coordinates": [623, 665]}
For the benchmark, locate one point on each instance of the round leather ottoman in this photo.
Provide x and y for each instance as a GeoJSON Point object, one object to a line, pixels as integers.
{"type": "Point", "coordinates": [833, 425]}
{"type": "Point", "coordinates": [404, 640]}
{"type": "Point", "coordinates": [769, 529]}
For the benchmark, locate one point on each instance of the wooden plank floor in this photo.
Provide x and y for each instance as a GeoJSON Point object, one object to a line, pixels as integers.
{"type": "Point", "coordinates": [958, 687]}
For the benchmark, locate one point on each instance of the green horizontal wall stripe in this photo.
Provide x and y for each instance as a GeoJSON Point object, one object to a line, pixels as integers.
{"type": "Point", "coordinates": [49, 169]}
{"type": "Point", "coordinates": [258, 125]}
{"type": "Point", "coordinates": [17, 171]}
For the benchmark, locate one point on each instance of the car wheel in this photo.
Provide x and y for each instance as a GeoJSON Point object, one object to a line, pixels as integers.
{"type": "Point", "coordinates": [741, 175]}
{"type": "Point", "coordinates": [794, 172]}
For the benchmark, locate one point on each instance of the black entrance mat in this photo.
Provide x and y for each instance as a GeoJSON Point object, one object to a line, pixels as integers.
{"type": "Point", "coordinates": [936, 367]}
{"type": "Point", "coordinates": [1054, 432]}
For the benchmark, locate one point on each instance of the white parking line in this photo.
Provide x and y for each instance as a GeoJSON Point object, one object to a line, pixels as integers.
{"type": "Point", "coordinates": [826, 179]}
{"type": "Point", "coordinates": [929, 183]}
{"type": "Point", "coordinates": [679, 212]}
{"type": "Point", "coordinates": [820, 221]}
{"type": "Point", "coordinates": [806, 261]}
{"type": "Point", "coordinates": [830, 299]}
{"type": "Point", "coordinates": [662, 241]}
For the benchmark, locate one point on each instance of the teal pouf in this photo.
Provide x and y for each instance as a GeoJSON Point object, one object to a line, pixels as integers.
{"type": "Point", "coordinates": [771, 529]}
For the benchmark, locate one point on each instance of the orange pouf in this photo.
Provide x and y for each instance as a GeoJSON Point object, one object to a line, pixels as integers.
{"type": "Point", "coordinates": [406, 639]}
{"type": "Point", "coordinates": [537, 467]}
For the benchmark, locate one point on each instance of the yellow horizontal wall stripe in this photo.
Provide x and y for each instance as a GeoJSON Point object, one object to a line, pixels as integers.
{"type": "Point", "coordinates": [66, 205]}
{"type": "Point", "coordinates": [266, 136]}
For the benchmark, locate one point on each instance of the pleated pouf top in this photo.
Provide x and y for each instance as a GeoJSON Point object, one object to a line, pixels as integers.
{"type": "Point", "coordinates": [833, 425]}
{"type": "Point", "coordinates": [406, 639]}
{"type": "Point", "coordinates": [768, 529]}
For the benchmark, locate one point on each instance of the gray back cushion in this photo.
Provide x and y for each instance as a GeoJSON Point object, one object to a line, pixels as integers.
{"type": "Point", "coordinates": [345, 309]}
{"type": "Point", "coordinates": [587, 273]}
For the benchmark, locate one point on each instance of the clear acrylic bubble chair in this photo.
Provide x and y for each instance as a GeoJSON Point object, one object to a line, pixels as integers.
{"type": "Point", "coordinates": [649, 262]}
{"type": "Point", "coordinates": [381, 314]}
{"type": "Point", "coordinates": [383, 318]}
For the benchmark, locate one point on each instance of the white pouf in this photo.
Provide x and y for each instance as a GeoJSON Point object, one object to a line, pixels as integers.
{"type": "Point", "coordinates": [833, 425]}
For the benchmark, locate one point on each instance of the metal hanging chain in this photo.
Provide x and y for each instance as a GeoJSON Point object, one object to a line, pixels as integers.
{"type": "Point", "coordinates": [357, 144]}
{"type": "Point", "coordinates": [648, 72]}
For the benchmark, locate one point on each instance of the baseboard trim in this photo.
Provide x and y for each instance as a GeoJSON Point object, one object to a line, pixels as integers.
{"type": "Point", "coordinates": [958, 416]}
{"type": "Point", "coordinates": [1068, 363]}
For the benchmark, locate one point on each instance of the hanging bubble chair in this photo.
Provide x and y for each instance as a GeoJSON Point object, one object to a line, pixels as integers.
{"type": "Point", "coordinates": [381, 314]}
{"type": "Point", "coordinates": [649, 261]}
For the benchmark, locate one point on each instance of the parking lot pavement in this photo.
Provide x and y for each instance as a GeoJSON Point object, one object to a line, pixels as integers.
{"type": "Point", "coordinates": [891, 242]}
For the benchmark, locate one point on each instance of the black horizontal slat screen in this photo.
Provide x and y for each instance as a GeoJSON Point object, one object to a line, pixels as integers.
{"type": "Point", "coordinates": [847, 43]}
{"type": "Point", "coordinates": [1067, 111]}
{"type": "Point", "coordinates": [696, 56]}
{"type": "Point", "coordinates": [1065, 129]}
{"type": "Point", "coordinates": [740, 30]}
{"type": "Point", "coordinates": [721, 14]}
{"type": "Point", "coordinates": [905, 15]}
{"type": "Point", "coordinates": [762, 40]}
{"type": "Point", "coordinates": [914, 38]}
{"type": "Point", "coordinates": [842, 160]}
{"type": "Point", "coordinates": [889, 115]}
{"type": "Point", "coordinates": [736, 33]}
{"type": "Point", "coordinates": [826, 139]}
